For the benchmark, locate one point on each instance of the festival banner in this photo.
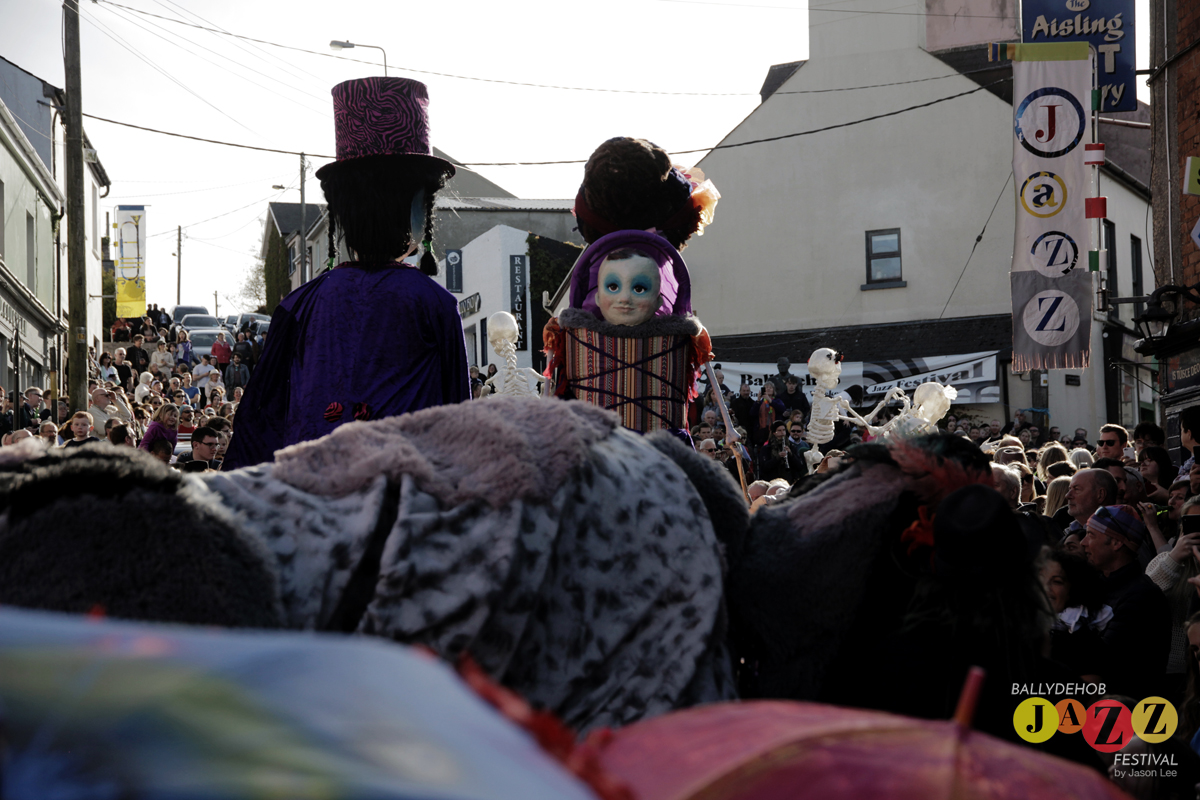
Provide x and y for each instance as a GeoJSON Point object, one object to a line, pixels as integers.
{"type": "Point", "coordinates": [131, 260]}
{"type": "Point", "coordinates": [1051, 285]}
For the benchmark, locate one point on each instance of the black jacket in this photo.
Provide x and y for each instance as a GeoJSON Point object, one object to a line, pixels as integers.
{"type": "Point", "coordinates": [1138, 639]}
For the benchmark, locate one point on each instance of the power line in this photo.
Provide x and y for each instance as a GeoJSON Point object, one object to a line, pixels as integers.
{"type": "Point", "coordinates": [582, 161]}
{"type": "Point", "coordinates": [224, 214]}
{"type": "Point", "coordinates": [978, 239]}
{"type": "Point", "coordinates": [811, 9]}
{"type": "Point", "coordinates": [430, 72]}
{"type": "Point", "coordinates": [239, 74]}
{"type": "Point", "coordinates": [882, 85]}
{"type": "Point", "coordinates": [190, 191]}
{"type": "Point", "coordinates": [105, 30]}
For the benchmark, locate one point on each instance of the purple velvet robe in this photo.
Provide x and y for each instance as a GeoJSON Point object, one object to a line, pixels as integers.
{"type": "Point", "coordinates": [350, 344]}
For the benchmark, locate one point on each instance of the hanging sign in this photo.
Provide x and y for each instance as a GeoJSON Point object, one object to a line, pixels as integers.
{"type": "Point", "coordinates": [1107, 25]}
{"type": "Point", "coordinates": [518, 284]}
{"type": "Point", "coordinates": [454, 270]}
{"type": "Point", "coordinates": [1051, 293]}
{"type": "Point", "coordinates": [131, 260]}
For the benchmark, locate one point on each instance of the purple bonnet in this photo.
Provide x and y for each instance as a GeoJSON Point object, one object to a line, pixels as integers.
{"type": "Point", "coordinates": [675, 284]}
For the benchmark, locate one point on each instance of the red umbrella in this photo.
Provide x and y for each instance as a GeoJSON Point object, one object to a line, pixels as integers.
{"type": "Point", "coordinates": [773, 750]}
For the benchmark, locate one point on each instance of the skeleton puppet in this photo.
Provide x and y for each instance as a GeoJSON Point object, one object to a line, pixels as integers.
{"type": "Point", "coordinates": [510, 379]}
{"type": "Point", "coordinates": [825, 365]}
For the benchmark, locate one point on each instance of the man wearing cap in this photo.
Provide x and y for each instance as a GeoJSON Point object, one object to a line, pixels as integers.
{"type": "Point", "coordinates": [1138, 638]}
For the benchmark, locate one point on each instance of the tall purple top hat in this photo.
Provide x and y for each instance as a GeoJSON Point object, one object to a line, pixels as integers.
{"type": "Point", "coordinates": [382, 117]}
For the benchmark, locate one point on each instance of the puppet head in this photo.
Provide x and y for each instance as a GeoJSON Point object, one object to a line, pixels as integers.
{"type": "Point", "coordinates": [629, 277]}
{"type": "Point", "coordinates": [932, 400]}
{"type": "Point", "coordinates": [630, 184]}
{"type": "Point", "coordinates": [825, 364]}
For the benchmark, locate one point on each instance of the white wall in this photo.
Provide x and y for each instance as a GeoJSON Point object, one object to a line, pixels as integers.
{"type": "Point", "coordinates": [486, 271]}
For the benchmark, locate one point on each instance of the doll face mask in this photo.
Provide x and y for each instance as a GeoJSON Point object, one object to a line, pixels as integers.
{"type": "Point", "coordinates": [629, 286]}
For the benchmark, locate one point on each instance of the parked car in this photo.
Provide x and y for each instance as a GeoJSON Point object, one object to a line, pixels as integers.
{"type": "Point", "coordinates": [193, 322]}
{"type": "Point", "coordinates": [202, 341]}
{"type": "Point", "coordinates": [179, 312]}
{"type": "Point", "coordinates": [247, 321]}
{"type": "Point", "coordinates": [230, 323]}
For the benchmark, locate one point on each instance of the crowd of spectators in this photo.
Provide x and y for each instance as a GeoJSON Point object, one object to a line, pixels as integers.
{"type": "Point", "coordinates": [156, 394]}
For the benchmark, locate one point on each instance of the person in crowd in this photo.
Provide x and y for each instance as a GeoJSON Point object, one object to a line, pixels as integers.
{"type": "Point", "coordinates": [187, 418]}
{"type": "Point", "coordinates": [161, 361]}
{"type": "Point", "coordinates": [202, 376]}
{"type": "Point", "coordinates": [190, 392]}
{"type": "Point", "coordinates": [242, 347]}
{"type": "Point", "coordinates": [124, 370]}
{"type": "Point", "coordinates": [107, 371]}
{"type": "Point", "coordinates": [701, 432]}
{"type": "Point", "coordinates": [81, 430]}
{"type": "Point", "coordinates": [1147, 434]}
{"type": "Point", "coordinates": [707, 448]}
{"type": "Point", "coordinates": [793, 396]}
{"type": "Point", "coordinates": [1008, 483]}
{"type": "Point", "coordinates": [1154, 462]}
{"type": "Point", "coordinates": [30, 412]}
{"type": "Point", "coordinates": [1051, 453]}
{"type": "Point", "coordinates": [1171, 571]}
{"type": "Point", "coordinates": [1076, 593]}
{"type": "Point", "coordinates": [222, 352]}
{"type": "Point", "coordinates": [401, 346]}
{"type": "Point", "coordinates": [744, 409]}
{"type": "Point", "coordinates": [162, 449]}
{"type": "Point", "coordinates": [1189, 423]}
{"type": "Point", "coordinates": [1028, 490]}
{"type": "Point", "coordinates": [138, 358]}
{"type": "Point", "coordinates": [102, 401]}
{"type": "Point", "coordinates": [142, 392]}
{"type": "Point", "coordinates": [769, 410]}
{"type": "Point", "coordinates": [1089, 490]}
{"type": "Point", "coordinates": [184, 356]}
{"type": "Point", "coordinates": [1138, 639]}
{"type": "Point", "coordinates": [236, 374]}
{"type": "Point", "coordinates": [777, 460]}
{"type": "Point", "coordinates": [1116, 468]}
{"type": "Point", "coordinates": [205, 441]}
{"type": "Point", "coordinates": [120, 330]}
{"type": "Point", "coordinates": [49, 433]}
{"type": "Point", "coordinates": [1112, 442]}
{"type": "Point", "coordinates": [1056, 500]}
{"type": "Point", "coordinates": [163, 425]}
{"type": "Point", "coordinates": [121, 436]}
{"type": "Point", "coordinates": [1081, 458]}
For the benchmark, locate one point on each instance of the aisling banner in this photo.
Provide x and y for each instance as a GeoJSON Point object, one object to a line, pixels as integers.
{"type": "Point", "coordinates": [1051, 285]}
{"type": "Point", "coordinates": [131, 260]}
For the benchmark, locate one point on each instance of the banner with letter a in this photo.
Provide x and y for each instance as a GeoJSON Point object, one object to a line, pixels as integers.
{"type": "Point", "coordinates": [1051, 285]}
{"type": "Point", "coordinates": [131, 260]}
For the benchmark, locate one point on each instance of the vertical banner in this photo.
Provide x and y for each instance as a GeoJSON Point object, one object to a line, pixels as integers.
{"type": "Point", "coordinates": [1051, 285]}
{"type": "Point", "coordinates": [1105, 24]}
{"type": "Point", "coordinates": [518, 284]}
{"type": "Point", "coordinates": [131, 260]}
{"type": "Point", "coordinates": [454, 270]}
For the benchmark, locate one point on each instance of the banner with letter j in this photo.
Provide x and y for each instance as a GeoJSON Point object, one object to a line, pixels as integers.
{"type": "Point", "coordinates": [131, 260]}
{"type": "Point", "coordinates": [1051, 285]}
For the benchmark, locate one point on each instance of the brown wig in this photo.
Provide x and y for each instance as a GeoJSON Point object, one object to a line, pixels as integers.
{"type": "Point", "coordinates": [627, 182]}
{"type": "Point", "coordinates": [371, 201]}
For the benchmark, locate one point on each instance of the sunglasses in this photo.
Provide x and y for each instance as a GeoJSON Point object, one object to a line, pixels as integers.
{"type": "Point", "coordinates": [1106, 442]}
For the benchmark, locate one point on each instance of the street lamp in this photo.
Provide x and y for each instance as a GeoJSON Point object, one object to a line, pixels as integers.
{"type": "Point", "coordinates": [336, 45]}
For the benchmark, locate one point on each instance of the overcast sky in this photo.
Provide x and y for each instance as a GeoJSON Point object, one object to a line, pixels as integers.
{"type": "Point", "coordinates": [236, 91]}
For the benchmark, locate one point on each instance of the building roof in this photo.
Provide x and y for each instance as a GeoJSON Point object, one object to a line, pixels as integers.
{"type": "Point", "coordinates": [448, 203]}
{"type": "Point", "coordinates": [469, 183]}
{"type": "Point", "coordinates": [777, 75]}
{"type": "Point", "coordinates": [287, 216]}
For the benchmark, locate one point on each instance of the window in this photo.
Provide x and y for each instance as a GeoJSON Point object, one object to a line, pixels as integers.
{"type": "Point", "coordinates": [1110, 237]}
{"type": "Point", "coordinates": [1135, 271]}
{"type": "Point", "coordinates": [95, 221]}
{"type": "Point", "coordinates": [30, 252]}
{"type": "Point", "coordinates": [883, 259]}
{"type": "Point", "coordinates": [293, 259]}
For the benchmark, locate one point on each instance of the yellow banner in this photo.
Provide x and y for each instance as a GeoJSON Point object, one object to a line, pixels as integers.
{"type": "Point", "coordinates": [130, 235]}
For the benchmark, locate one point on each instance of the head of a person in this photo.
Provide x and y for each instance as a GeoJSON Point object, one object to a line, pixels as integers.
{"type": "Point", "coordinates": [1189, 427]}
{"type": "Point", "coordinates": [1069, 580]}
{"type": "Point", "coordinates": [1052, 453]}
{"type": "Point", "coordinates": [162, 449]}
{"type": "Point", "coordinates": [220, 424]}
{"type": "Point", "coordinates": [1114, 535]}
{"type": "Point", "coordinates": [1063, 469]}
{"type": "Point", "coordinates": [791, 384]}
{"type": "Point", "coordinates": [1147, 434]}
{"type": "Point", "coordinates": [1116, 468]}
{"type": "Point", "coordinates": [744, 390]}
{"type": "Point", "coordinates": [1154, 462]}
{"type": "Point", "coordinates": [168, 415]}
{"type": "Point", "coordinates": [221, 336]}
{"type": "Point", "coordinates": [105, 359]}
{"type": "Point", "coordinates": [779, 431]}
{"type": "Point", "coordinates": [994, 426]}
{"type": "Point", "coordinates": [204, 443]}
{"type": "Point", "coordinates": [138, 340]}
{"type": "Point", "coordinates": [768, 389]}
{"type": "Point", "coordinates": [473, 371]}
{"type": "Point", "coordinates": [1090, 489]}
{"type": "Point", "coordinates": [1176, 495]}
{"type": "Point", "coordinates": [181, 336]}
{"type": "Point", "coordinates": [81, 424]}
{"type": "Point", "coordinates": [162, 347]}
{"type": "Point", "coordinates": [119, 355]}
{"type": "Point", "coordinates": [1081, 458]}
{"type": "Point", "coordinates": [145, 378]}
{"type": "Point", "coordinates": [33, 396]}
{"type": "Point", "coordinates": [707, 448]}
{"type": "Point", "coordinates": [1028, 489]}
{"type": "Point", "coordinates": [48, 431]}
{"type": "Point", "coordinates": [237, 359]}
{"type": "Point", "coordinates": [383, 205]}
{"type": "Point", "coordinates": [975, 433]}
{"type": "Point", "coordinates": [1112, 442]}
{"type": "Point", "coordinates": [710, 417]}
{"type": "Point", "coordinates": [100, 398]}
{"type": "Point", "coordinates": [1081, 433]}
{"type": "Point", "coordinates": [1007, 481]}
{"type": "Point", "coordinates": [701, 432]}
{"type": "Point", "coordinates": [951, 421]}
{"type": "Point", "coordinates": [1072, 543]}
{"type": "Point", "coordinates": [1035, 433]}
{"type": "Point", "coordinates": [1024, 436]}
{"type": "Point", "coordinates": [238, 391]}
{"type": "Point", "coordinates": [1056, 495]}
{"type": "Point", "coordinates": [120, 435]}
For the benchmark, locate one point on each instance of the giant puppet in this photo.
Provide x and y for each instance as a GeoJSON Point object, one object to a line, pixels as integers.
{"type": "Point", "coordinates": [373, 337]}
{"type": "Point", "coordinates": [628, 341]}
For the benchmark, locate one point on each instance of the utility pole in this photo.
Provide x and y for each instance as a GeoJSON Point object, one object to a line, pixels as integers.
{"type": "Point", "coordinates": [178, 264]}
{"type": "Point", "coordinates": [216, 307]}
{"type": "Point", "coordinates": [303, 229]}
{"type": "Point", "coordinates": [77, 368]}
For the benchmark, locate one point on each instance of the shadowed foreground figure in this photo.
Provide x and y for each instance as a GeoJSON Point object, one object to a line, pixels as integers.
{"type": "Point", "coordinates": [575, 561]}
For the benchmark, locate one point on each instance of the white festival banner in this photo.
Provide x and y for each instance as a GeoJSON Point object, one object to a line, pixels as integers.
{"type": "Point", "coordinates": [1051, 285]}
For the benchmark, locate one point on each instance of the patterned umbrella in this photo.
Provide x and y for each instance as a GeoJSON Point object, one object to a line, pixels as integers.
{"type": "Point", "coordinates": [92, 709]}
{"type": "Point", "coordinates": [786, 751]}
